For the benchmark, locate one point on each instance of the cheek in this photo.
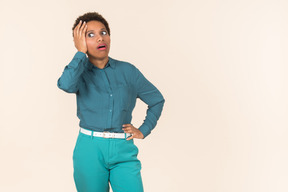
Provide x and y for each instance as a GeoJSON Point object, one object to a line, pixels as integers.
{"type": "Point", "coordinates": [107, 40]}
{"type": "Point", "coordinates": [90, 44]}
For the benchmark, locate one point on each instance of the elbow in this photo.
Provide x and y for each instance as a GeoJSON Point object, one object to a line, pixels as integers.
{"type": "Point", "coordinates": [66, 88]}
{"type": "Point", "coordinates": [162, 100]}
{"type": "Point", "coordinates": [159, 103]}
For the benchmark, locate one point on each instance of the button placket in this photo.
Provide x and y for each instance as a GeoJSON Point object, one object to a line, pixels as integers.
{"type": "Point", "coordinates": [110, 105]}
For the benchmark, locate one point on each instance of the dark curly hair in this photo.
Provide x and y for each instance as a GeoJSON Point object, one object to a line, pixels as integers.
{"type": "Point", "coordinates": [90, 16]}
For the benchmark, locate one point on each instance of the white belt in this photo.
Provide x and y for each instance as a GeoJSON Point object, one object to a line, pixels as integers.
{"type": "Point", "coordinates": [105, 134]}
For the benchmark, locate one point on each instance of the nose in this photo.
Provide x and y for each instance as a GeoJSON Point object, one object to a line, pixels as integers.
{"type": "Point", "coordinates": [100, 38]}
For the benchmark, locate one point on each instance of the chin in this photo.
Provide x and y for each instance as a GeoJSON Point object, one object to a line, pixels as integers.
{"type": "Point", "coordinates": [97, 56]}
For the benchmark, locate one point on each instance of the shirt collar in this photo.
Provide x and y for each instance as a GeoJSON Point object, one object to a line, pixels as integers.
{"type": "Point", "coordinates": [111, 63]}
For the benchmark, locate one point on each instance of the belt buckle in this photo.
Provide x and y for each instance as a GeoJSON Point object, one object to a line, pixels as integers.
{"type": "Point", "coordinates": [104, 134]}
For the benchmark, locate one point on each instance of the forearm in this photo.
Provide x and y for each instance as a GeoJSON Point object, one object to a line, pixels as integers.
{"type": "Point", "coordinates": [69, 80]}
{"type": "Point", "coordinates": [153, 114]}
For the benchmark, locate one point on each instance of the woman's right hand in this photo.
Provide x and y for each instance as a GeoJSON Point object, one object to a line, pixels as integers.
{"type": "Point", "coordinates": [79, 37]}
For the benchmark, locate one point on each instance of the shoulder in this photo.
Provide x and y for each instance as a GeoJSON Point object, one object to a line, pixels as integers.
{"type": "Point", "coordinates": [120, 64]}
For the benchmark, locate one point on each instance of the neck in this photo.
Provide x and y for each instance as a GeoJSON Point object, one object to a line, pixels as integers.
{"type": "Point", "coordinates": [100, 63]}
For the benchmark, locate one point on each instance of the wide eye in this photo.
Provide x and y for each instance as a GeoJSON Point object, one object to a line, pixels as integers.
{"type": "Point", "coordinates": [104, 32]}
{"type": "Point", "coordinates": [89, 35]}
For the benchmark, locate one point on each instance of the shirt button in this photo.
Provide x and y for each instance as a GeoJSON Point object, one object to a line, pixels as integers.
{"type": "Point", "coordinates": [110, 110]}
{"type": "Point", "coordinates": [110, 95]}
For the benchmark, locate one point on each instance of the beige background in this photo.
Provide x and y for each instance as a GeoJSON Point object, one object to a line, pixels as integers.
{"type": "Point", "coordinates": [221, 66]}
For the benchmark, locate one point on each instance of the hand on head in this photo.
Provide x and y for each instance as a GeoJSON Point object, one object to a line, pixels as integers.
{"type": "Point", "coordinates": [79, 36]}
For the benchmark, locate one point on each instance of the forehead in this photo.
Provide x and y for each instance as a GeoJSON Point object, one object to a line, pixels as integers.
{"type": "Point", "coordinates": [95, 25]}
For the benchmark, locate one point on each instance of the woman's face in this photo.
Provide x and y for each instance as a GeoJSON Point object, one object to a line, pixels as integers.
{"type": "Point", "coordinates": [97, 35]}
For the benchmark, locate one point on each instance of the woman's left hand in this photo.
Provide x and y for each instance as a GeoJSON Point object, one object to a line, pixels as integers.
{"type": "Point", "coordinates": [129, 128]}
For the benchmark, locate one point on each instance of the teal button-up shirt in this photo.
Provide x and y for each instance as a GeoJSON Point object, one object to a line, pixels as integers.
{"type": "Point", "coordinates": [106, 97]}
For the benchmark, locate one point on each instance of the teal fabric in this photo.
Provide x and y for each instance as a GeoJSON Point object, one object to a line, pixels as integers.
{"type": "Point", "coordinates": [98, 161]}
{"type": "Point", "coordinates": [106, 97]}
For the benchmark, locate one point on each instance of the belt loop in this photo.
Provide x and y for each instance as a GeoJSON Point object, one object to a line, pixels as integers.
{"type": "Point", "coordinates": [125, 135]}
{"type": "Point", "coordinates": [91, 134]}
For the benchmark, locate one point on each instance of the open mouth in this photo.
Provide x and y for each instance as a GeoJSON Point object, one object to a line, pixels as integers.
{"type": "Point", "coordinates": [102, 47]}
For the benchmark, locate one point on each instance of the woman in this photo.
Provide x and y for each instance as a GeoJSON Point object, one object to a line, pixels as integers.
{"type": "Point", "coordinates": [106, 90]}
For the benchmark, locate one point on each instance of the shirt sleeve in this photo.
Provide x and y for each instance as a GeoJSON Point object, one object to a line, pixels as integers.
{"type": "Point", "coordinates": [150, 95]}
{"type": "Point", "coordinates": [70, 78]}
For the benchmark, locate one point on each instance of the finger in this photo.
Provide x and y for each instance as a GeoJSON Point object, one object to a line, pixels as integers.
{"type": "Point", "coordinates": [85, 29]}
{"type": "Point", "coordinates": [128, 130]}
{"type": "Point", "coordinates": [82, 28]}
{"type": "Point", "coordinates": [77, 28]}
{"type": "Point", "coordinates": [75, 31]}
{"type": "Point", "coordinates": [129, 138]}
{"type": "Point", "coordinates": [126, 125]}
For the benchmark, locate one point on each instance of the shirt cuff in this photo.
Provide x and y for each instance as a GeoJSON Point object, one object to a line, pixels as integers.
{"type": "Point", "coordinates": [79, 55]}
{"type": "Point", "coordinates": [78, 58]}
{"type": "Point", "coordinates": [144, 130]}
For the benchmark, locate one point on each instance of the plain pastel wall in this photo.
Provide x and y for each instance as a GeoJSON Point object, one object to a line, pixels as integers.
{"type": "Point", "coordinates": [220, 64]}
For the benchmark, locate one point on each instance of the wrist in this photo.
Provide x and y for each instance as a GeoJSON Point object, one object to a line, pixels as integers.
{"type": "Point", "coordinates": [83, 51]}
{"type": "Point", "coordinates": [142, 135]}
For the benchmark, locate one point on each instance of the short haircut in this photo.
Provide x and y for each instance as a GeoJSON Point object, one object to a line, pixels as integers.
{"type": "Point", "coordinates": [91, 16]}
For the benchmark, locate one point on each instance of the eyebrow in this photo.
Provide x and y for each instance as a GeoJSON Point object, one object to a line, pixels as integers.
{"type": "Point", "coordinates": [93, 30]}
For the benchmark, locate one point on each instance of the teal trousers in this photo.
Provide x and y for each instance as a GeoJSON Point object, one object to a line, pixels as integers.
{"type": "Point", "coordinates": [98, 161]}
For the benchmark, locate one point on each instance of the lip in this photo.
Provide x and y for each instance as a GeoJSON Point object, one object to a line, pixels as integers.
{"type": "Point", "coordinates": [103, 48]}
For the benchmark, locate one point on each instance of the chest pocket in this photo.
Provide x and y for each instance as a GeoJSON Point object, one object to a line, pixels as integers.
{"type": "Point", "coordinates": [124, 94]}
